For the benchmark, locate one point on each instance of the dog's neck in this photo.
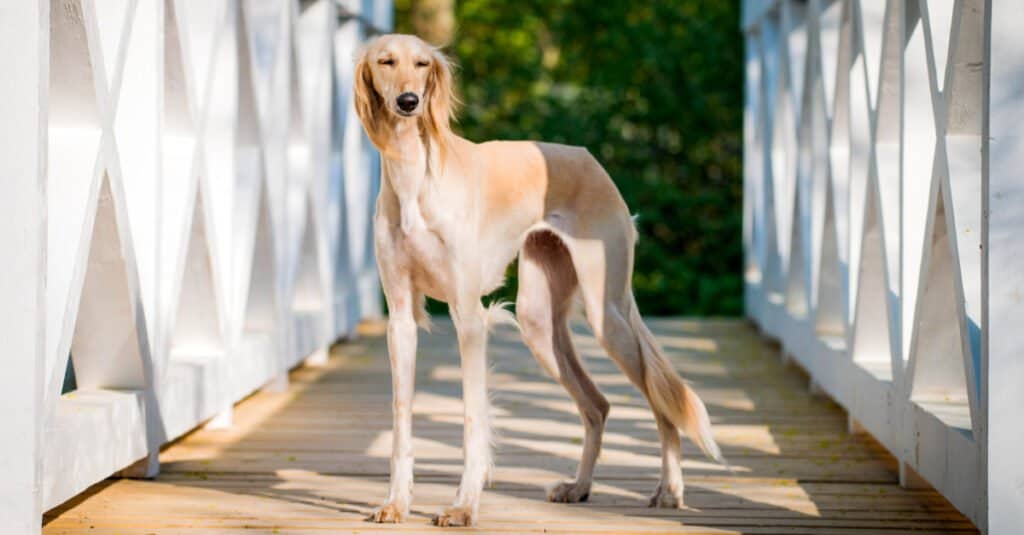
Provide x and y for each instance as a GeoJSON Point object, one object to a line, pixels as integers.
{"type": "Point", "coordinates": [408, 164]}
{"type": "Point", "coordinates": [409, 143]}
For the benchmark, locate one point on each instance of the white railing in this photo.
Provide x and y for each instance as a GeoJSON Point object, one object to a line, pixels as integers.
{"type": "Point", "coordinates": [187, 197]}
{"type": "Point", "coordinates": [884, 226]}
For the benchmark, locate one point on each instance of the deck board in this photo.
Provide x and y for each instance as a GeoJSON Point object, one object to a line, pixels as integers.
{"type": "Point", "coordinates": [314, 459]}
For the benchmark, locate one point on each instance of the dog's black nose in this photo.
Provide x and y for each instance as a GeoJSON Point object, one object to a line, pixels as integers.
{"type": "Point", "coordinates": [407, 101]}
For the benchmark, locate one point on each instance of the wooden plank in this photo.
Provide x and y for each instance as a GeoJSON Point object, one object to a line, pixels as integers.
{"type": "Point", "coordinates": [315, 458]}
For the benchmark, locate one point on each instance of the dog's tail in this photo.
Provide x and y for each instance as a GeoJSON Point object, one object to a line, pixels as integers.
{"type": "Point", "coordinates": [670, 395]}
{"type": "Point", "coordinates": [498, 313]}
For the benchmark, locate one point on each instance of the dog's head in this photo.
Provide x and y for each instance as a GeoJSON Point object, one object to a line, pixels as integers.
{"type": "Point", "coordinates": [402, 78]}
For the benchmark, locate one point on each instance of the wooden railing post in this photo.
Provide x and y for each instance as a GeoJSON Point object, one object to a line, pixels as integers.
{"type": "Point", "coordinates": [1003, 280]}
{"type": "Point", "coordinates": [24, 26]}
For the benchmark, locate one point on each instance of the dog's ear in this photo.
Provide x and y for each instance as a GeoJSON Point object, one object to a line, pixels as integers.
{"type": "Point", "coordinates": [368, 103]}
{"type": "Point", "coordinates": [441, 100]}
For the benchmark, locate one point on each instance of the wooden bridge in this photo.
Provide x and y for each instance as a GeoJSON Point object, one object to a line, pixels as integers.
{"type": "Point", "coordinates": [188, 196]}
{"type": "Point", "coordinates": [314, 459]}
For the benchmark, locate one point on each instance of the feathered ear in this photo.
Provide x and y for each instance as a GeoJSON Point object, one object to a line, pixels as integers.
{"type": "Point", "coordinates": [369, 105]}
{"type": "Point", "coordinates": [441, 101]}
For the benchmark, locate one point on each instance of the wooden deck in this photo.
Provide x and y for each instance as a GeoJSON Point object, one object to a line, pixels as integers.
{"type": "Point", "coordinates": [315, 459]}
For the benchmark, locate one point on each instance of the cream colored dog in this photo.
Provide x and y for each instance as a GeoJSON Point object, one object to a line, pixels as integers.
{"type": "Point", "coordinates": [451, 216]}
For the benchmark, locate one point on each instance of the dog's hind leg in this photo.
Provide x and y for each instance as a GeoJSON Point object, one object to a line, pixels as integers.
{"type": "Point", "coordinates": [604, 268]}
{"type": "Point", "coordinates": [547, 284]}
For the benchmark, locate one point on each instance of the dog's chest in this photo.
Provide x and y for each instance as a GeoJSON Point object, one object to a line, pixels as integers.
{"type": "Point", "coordinates": [427, 246]}
{"type": "Point", "coordinates": [433, 226]}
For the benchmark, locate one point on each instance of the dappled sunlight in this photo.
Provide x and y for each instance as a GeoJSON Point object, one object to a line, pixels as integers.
{"type": "Point", "coordinates": [685, 343]}
{"type": "Point", "coordinates": [755, 438]}
{"type": "Point", "coordinates": [711, 466]}
{"type": "Point", "coordinates": [424, 447]}
{"type": "Point", "coordinates": [699, 369]}
{"type": "Point", "coordinates": [533, 388]}
{"type": "Point", "coordinates": [738, 402]}
{"type": "Point", "coordinates": [569, 432]}
{"type": "Point", "coordinates": [612, 456]}
{"type": "Point", "coordinates": [429, 403]}
{"type": "Point", "coordinates": [454, 374]}
{"type": "Point", "coordinates": [568, 406]}
{"type": "Point", "coordinates": [783, 494]}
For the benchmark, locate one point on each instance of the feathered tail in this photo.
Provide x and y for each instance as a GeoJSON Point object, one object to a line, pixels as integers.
{"type": "Point", "coordinates": [670, 394]}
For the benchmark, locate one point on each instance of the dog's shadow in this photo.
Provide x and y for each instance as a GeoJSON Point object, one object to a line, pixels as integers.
{"type": "Point", "coordinates": [335, 466]}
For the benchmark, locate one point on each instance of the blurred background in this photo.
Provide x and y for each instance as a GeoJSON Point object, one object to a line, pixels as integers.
{"type": "Point", "coordinates": [653, 89]}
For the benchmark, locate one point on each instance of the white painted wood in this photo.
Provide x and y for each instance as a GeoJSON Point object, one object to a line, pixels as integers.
{"type": "Point", "coordinates": [109, 430]}
{"type": "Point", "coordinates": [172, 176]}
{"type": "Point", "coordinates": [318, 358]}
{"type": "Point", "coordinates": [277, 384]}
{"type": "Point", "coordinates": [1002, 277]}
{"type": "Point", "coordinates": [23, 27]}
{"type": "Point", "coordinates": [222, 420]}
{"type": "Point", "coordinates": [867, 253]}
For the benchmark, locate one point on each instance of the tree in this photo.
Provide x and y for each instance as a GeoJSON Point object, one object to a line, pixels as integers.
{"type": "Point", "coordinates": [433, 20]}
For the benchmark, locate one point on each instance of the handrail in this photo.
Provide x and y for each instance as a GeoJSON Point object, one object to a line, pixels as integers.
{"type": "Point", "coordinates": [190, 194]}
{"type": "Point", "coordinates": [882, 222]}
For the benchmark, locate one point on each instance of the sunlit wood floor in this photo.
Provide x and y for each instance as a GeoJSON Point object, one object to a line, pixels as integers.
{"type": "Point", "coordinates": [315, 459]}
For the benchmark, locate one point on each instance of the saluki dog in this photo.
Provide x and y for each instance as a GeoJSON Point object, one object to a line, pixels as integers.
{"type": "Point", "coordinates": [451, 216]}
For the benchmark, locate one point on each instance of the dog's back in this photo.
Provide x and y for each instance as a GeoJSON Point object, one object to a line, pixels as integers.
{"type": "Point", "coordinates": [541, 180]}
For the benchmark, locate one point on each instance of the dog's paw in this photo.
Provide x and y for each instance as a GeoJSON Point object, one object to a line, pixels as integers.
{"type": "Point", "coordinates": [665, 498]}
{"type": "Point", "coordinates": [455, 516]}
{"type": "Point", "coordinates": [388, 513]}
{"type": "Point", "coordinates": [569, 492]}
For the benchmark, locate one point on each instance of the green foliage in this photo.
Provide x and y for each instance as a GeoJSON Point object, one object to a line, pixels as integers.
{"type": "Point", "coordinates": [654, 90]}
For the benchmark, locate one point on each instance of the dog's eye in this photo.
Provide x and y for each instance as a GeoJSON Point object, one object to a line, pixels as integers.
{"type": "Point", "coordinates": [422, 63]}
{"type": "Point", "coordinates": [388, 61]}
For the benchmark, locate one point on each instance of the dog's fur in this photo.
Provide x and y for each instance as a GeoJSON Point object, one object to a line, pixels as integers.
{"type": "Point", "coordinates": [451, 216]}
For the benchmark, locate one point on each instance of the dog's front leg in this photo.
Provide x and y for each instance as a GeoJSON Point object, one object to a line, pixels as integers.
{"type": "Point", "coordinates": [476, 442]}
{"type": "Point", "coordinates": [402, 352]}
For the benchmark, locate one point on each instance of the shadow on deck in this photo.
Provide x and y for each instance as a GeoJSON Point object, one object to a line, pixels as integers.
{"type": "Point", "coordinates": [315, 459]}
